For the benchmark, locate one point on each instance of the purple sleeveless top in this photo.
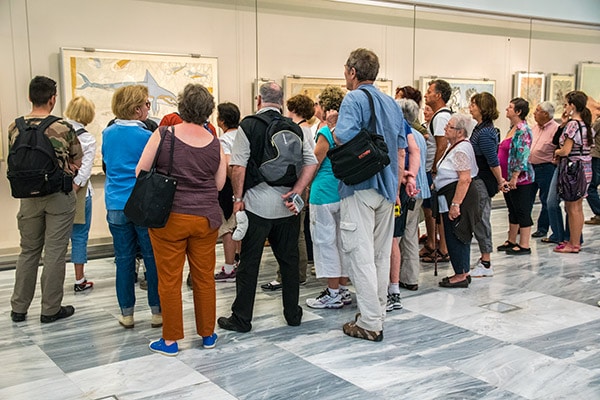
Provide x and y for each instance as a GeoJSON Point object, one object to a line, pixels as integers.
{"type": "Point", "coordinates": [195, 169]}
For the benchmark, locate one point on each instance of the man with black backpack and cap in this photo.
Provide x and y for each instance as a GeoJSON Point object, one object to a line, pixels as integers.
{"type": "Point", "coordinates": [47, 209]}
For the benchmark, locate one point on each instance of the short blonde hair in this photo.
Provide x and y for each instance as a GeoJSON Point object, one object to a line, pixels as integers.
{"type": "Point", "coordinates": [126, 99]}
{"type": "Point", "coordinates": [81, 110]}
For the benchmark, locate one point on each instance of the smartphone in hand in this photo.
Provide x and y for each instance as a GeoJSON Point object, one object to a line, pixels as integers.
{"type": "Point", "coordinates": [298, 202]}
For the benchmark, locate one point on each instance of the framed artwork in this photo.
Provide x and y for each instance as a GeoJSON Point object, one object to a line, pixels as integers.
{"type": "Point", "coordinates": [558, 86]}
{"type": "Point", "coordinates": [530, 86]}
{"type": "Point", "coordinates": [293, 85]}
{"type": "Point", "coordinates": [588, 80]}
{"type": "Point", "coordinates": [462, 91]}
{"type": "Point", "coordinates": [96, 74]}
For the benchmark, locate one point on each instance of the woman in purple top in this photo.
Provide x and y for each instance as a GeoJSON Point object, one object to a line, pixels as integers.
{"type": "Point", "coordinates": [575, 143]}
{"type": "Point", "coordinates": [513, 155]}
{"type": "Point", "coordinates": [191, 231]}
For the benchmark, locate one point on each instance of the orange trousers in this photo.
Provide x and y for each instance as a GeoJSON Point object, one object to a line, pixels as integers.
{"type": "Point", "coordinates": [191, 236]}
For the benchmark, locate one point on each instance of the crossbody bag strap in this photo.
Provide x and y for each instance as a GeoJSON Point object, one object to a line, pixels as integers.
{"type": "Point", "coordinates": [372, 127]}
{"type": "Point", "coordinates": [162, 132]}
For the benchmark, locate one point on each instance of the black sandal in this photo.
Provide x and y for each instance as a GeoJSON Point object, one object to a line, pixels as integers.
{"type": "Point", "coordinates": [519, 250]}
{"type": "Point", "coordinates": [507, 245]}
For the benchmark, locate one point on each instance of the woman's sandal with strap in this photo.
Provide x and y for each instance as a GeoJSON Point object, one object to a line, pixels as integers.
{"type": "Point", "coordinates": [432, 257]}
{"type": "Point", "coordinates": [426, 251]}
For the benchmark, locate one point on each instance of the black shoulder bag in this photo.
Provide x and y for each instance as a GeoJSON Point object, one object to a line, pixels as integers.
{"type": "Point", "coordinates": [152, 196]}
{"type": "Point", "coordinates": [363, 156]}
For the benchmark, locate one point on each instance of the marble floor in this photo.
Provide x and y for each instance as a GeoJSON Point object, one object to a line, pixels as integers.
{"type": "Point", "coordinates": [530, 332]}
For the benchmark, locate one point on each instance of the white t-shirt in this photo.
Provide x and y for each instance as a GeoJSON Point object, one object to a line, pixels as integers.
{"type": "Point", "coordinates": [227, 140]}
{"type": "Point", "coordinates": [460, 158]}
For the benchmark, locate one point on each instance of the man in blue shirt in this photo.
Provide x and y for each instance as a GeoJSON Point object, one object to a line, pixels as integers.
{"type": "Point", "coordinates": [367, 208]}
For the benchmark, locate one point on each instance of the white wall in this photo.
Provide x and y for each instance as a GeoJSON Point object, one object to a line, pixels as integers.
{"type": "Point", "coordinates": [301, 37]}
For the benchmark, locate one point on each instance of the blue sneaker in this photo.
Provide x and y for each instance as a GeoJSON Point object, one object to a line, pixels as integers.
{"type": "Point", "coordinates": [209, 342]}
{"type": "Point", "coordinates": [159, 346]}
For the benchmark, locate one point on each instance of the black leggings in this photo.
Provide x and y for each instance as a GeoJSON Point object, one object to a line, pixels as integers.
{"type": "Point", "coordinates": [519, 205]}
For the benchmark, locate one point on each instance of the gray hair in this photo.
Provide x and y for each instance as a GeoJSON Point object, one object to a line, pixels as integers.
{"type": "Point", "coordinates": [410, 109]}
{"type": "Point", "coordinates": [548, 107]}
{"type": "Point", "coordinates": [271, 93]}
{"type": "Point", "coordinates": [464, 123]}
{"type": "Point", "coordinates": [366, 64]}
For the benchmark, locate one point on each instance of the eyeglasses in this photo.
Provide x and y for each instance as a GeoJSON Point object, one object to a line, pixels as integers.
{"type": "Point", "coordinates": [148, 104]}
{"type": "Point", "coordinates": [452, 127]}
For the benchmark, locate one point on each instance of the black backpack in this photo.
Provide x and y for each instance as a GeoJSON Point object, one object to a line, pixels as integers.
{"type": "Point", "coordinates": [282, 157]}
{"type": "Point", "coordinates": [443, 110]}
{"type": "Point", "coordinates": [33, 169]}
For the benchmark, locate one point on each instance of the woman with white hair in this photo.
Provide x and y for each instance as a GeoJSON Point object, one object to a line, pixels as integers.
{"type": "Point", "coordinates": [457, 199]}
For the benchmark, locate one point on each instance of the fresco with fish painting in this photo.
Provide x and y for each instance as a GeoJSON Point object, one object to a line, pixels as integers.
{"type": "Point", "coordinates": [97, 74]}
{"type": "Point", "coordinates": [462, 91]}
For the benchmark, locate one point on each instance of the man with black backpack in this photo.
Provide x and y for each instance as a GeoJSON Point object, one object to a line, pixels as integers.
{"type": "Point", "coordinates": [44, 155]}
{"type": "Point", "coordinates": [271, 166]}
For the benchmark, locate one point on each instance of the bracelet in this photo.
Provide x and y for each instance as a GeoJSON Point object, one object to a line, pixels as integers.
{"type": "Point", "coordinates": [237, 199]}
{"type": "Point", "coordinates": [455, 205]}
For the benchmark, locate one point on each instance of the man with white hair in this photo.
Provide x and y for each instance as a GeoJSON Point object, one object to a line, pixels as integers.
{"type": "Point", "coordinates": [542, 152]}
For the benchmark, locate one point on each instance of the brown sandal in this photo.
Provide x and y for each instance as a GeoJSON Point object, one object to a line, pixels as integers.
{"type": "Point", "coordinates": [430, 259]}
{"type": "Point", "coordinates": [426, 251]}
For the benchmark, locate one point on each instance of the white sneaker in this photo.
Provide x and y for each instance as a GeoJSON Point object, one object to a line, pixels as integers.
{"type": "Point", "coordinates": [482, 272]}
{"type": "Point", "coordinates": [242, 226]}
{"type": "Point", "coordinates": [325, 300]}
{"type": "Point", "coordinates": [346, 296]}
{"type": "Point", "coordinates": [394, 302]}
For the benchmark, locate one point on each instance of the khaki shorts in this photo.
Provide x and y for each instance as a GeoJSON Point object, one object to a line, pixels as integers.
{"type": "Point", "coordinates": [227, 226]}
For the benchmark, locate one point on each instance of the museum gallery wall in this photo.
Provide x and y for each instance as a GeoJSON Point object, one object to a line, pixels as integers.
{"type": "Point", "coordinates": [259, 40]}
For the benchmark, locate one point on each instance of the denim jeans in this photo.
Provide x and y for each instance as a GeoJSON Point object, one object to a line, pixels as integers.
{"type": "Point", "coordinates": [79, 236]}
{"type": "Point", "coordinates": [555, 215]}
{"type": "Point", "coordinates": [460, 253]}
{"type": "Point", "coordinates": [543, 178]}
{"type": "Point", "coordinates": [593, 198]}
{"type": "Point", "coordinates": [126, 237]}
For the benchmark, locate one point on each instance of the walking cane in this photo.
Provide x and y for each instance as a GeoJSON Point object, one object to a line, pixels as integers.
{"type": "Point", "coordinates": [435, 247]}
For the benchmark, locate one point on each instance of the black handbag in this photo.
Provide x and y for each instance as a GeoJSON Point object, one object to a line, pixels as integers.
{"type": "Point", "coordinates": [363, 156]}
{"type": "Point", "coordinates": [151, 199]}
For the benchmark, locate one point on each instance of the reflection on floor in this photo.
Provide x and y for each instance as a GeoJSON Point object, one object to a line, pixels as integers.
{"type": "Point", "coordinates": [530, 332]}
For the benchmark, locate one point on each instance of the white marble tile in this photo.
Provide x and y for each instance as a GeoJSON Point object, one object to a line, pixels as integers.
{"type": "Point", "coordinates": [137, 378]}
{"type": "Point", "coordinates": [23, 364]}
{"type": "Point", "coordinates": [53, 388]}
{"type": "Point", "coordinates": [531, 375]}
{"type": "Point", "coordinates": [204, 390]}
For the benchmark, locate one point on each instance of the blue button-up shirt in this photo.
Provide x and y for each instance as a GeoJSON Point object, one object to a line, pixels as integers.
{"type": "Point", "coordinates": [353, 116]}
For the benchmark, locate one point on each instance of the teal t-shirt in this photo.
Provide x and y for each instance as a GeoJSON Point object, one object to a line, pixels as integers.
{"type": "Point", "coordinates": [324, 188]}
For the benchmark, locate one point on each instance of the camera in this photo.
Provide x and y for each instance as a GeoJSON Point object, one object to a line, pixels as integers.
{"type": "Point", "coordinates": [411, 203]}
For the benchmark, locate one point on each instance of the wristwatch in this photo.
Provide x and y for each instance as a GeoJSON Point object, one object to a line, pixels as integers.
{"type": "Point", "coordinates": [237, 199]}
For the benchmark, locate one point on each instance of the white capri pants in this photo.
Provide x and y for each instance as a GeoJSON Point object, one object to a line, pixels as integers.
{"type": "Point", "coordinates": [327, 245]}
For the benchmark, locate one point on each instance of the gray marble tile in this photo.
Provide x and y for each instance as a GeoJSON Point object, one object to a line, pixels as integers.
{"type": "Point", "coordinates": [262, 370]}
